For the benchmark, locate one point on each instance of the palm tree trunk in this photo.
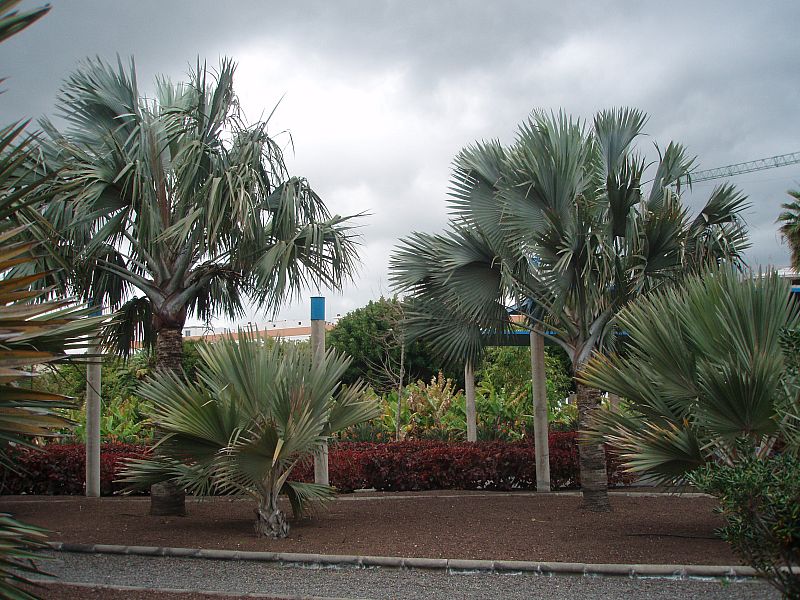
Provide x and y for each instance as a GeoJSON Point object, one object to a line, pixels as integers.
{"type": "Point", "coordinates": [270, 520]}
{"type": "Point", "coordinates": [167, 498]}
{"type": "Point", "coordinates": [169, 348]}
{"type": "Point", "coordinates": [594, 478]}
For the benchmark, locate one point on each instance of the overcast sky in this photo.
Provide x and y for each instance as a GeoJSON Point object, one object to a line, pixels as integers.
{"type": "Point", "coordinates": [380, 96]}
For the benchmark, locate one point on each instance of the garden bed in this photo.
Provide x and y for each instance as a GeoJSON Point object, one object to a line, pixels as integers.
{"type": "Point", "coordinates": [473, 525]}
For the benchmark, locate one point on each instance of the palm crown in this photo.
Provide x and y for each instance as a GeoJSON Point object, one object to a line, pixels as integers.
{"type": "Point", "coordinates": [177, 197]}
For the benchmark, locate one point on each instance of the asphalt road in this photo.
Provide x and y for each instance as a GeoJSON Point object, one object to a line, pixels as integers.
{"type": "Point", "coordinates": [265, 578]}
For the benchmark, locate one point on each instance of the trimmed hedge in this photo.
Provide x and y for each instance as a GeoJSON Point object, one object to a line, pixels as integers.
{"type": "Point", "coordinates": [394, 466]}
{"type": "Point", "coordinates": [60, 469]}
{"type": "Point", "coordinates": [431, 465]}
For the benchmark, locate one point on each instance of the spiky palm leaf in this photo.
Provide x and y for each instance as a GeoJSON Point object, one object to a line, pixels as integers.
{"type": "Point", "coordinates": [177, 197]}
{"type": "Point", "coordinates": [256, 412]}
{"type": "Point", "coordinates": [703, 370]}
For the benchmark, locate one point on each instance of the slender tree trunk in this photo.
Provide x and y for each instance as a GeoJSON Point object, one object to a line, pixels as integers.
{"type": "Point", "coordinates": [594, 478]}
{"type": "Point", "coordinates": [540, 425]}
{"type": "Point", "coordinates": [400, 390]}
{"type": "Point", "coordinates": [469, 392]}
{"type": "Point", "coordinates": [270, 520]}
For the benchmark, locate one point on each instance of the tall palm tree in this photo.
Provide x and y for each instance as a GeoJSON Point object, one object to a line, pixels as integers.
{"type": "Point", "coordinates": [560, 226]}
{"type": "Point", "coordinates": [790, 226]}
{"type": "Point", "coordinates": [178, 198]}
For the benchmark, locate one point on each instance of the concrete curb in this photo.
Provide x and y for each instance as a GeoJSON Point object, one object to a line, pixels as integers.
{"type": "Point", "coordinates": [450, 565]}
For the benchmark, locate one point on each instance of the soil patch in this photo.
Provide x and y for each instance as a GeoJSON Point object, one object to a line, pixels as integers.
{"type": "Point", "coordinates": [640, 529]}
{"type": "Point", "coordinates": [59, 591]}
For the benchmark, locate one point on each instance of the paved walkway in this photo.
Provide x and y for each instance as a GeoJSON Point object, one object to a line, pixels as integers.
{"type": "Point", "coordinates": [378, 583]}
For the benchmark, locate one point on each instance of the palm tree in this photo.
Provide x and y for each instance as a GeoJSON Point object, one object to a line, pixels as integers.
{"type": "Point", "coordinates": [257, 411]}
{"type": "Point", "coordinates": [790, 226]}
{"type": "Point", "coordinates": [178, 198]}
{"type": "Point", "coordinates": [704, 375]}
{"type": "Point", "coordinates": [559, 227]}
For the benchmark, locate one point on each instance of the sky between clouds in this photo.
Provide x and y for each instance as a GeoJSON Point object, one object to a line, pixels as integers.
{"type": "Point", "coordinates": [380, 96]}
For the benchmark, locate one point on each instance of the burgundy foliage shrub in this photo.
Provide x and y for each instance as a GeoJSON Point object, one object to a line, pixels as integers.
{"type": "Point", "coordinates": [394, 466]}
{"type": "Point", "coordinates": [61, 468]}
{"type": "Point", "coordinates": [430, 465]}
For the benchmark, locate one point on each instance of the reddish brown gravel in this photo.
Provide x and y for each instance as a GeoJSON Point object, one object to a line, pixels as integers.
{"type": "Point", "coordinates": [57, 591]}
{"type": "Point", "coordinates": [641, 529]}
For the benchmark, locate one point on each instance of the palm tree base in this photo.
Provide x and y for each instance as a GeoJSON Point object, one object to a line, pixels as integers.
{"type": "Point", "coordinates": [271, 523]}
{"type": "Point", "coordinates": [595, 500]}
{"type": "Point", "coordinates": [167, 499]}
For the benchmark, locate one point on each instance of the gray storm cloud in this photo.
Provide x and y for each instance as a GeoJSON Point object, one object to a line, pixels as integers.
{"type": "Point", "coordinates": [379, 96]}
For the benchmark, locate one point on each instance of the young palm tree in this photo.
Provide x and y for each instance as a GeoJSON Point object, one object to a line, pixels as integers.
{"type": "Point", "coordinates": [790, 226]}
{"type": "Point", "coordinates": [704, 375]}
{"type": "Point", "coordinates": [177, 197]}
{"type": "Point", "coordinates": [257, 411]}
{"type": "Point", "coordinates": [560, 227]}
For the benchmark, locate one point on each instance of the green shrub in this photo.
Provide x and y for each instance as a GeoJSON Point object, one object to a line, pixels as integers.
{"type": "Point", "coordinates": [760, 501]}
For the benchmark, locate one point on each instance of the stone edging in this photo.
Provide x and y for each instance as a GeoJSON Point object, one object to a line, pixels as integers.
{"type": "Point", "coordinates": [451, 565]}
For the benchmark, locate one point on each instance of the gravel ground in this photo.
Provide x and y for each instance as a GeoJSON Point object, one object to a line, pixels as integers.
{"type": "Point", "coordinates": [250, 577]}
{"type": "Point", "coordinates": [553, 527]}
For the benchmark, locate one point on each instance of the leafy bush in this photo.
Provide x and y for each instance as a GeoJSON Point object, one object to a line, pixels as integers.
{"type": "Point", "coordinates": [510, 367]}
{"type": "Point", "coordinates": [760, 500]}
{"type": "Point", "coordinates": [124, 417]}
{"type": "Point", "coordinates": [60, 469]}
{"type": "Point", "coordinates": [410, 465]}
{"type": "Point", "coordinates": [430, 465]}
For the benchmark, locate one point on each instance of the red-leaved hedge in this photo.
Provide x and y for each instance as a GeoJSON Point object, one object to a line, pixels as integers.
{"type": "Point", "coordinates": [60, 469]}
{"type": "Point", "coordinates": [431, 465]}
{"type": "Point", "coordinates": [394, 466]}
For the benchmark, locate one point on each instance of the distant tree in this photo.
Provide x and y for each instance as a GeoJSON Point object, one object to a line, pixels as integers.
{"type": "Point", "coordinates": [510, 367]}
{"type": "Point", "coordinates": [370, 336]}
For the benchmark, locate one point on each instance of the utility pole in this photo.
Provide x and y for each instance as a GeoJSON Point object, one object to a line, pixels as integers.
{"type": "Point", "coordinates": [469, 392]}
{"type": "Point", "coordinates": [93, 415]}
{"type": "Point", "coordinates": [318, 355]}
{"type": "Point", "coordinates": [540, 425]}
